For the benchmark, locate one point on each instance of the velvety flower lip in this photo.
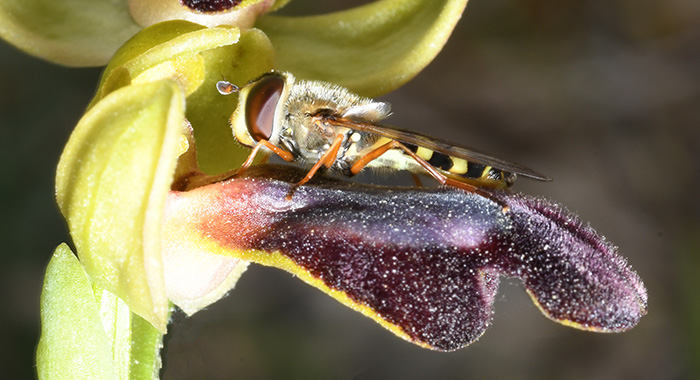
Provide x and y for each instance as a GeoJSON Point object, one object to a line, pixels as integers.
{"type": "Point", "coordinates": [385, 252]}
{"type": "Point", "coordinates": [575, 276]}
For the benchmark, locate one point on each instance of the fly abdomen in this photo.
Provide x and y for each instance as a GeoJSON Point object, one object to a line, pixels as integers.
{"type": "Point", "coordinates": [441, 161]}
{"type": "Point", "coordinates": [463, 170]}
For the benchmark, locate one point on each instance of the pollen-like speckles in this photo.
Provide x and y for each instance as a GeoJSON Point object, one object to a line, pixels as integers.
{"type": "Point", "coordinates": [426, 263]}
{"type": "Point", "coordinates": [572, 274]}
{"type": "Point", "coordinates": [208, 6]}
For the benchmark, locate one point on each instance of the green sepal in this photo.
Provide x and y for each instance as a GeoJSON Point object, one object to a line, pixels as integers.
{"type": "Point", "coordinates": [209, 111]}
{"type": "Point", "coordinates": [372, 49]}
{"type": "Point", "coordinates": [69, 32]}
{"type": "Point", "coordinates": [111, 185]}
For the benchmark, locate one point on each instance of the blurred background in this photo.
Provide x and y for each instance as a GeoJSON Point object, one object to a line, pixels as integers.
{"type": "Point", "coordinates": [603, 96]}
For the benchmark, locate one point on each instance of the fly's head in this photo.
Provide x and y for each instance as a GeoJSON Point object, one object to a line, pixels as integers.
{"type": "Point", "coordinates": [261, 109]}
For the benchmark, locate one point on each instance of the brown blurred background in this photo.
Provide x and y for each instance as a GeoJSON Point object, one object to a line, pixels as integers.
{"type": "Point", "coordinates": [603, 96]}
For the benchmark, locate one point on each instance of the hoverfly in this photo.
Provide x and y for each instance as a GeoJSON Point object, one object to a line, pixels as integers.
{"type": "Point", "coordinates": [325, 126]}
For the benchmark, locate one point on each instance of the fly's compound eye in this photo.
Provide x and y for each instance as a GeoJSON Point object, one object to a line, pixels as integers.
{"type": "Point", "coordinates": [261, 104]}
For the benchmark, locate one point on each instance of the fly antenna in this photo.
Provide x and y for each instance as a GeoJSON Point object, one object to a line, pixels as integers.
{"type": "Point", "coordinates": [226, 88]}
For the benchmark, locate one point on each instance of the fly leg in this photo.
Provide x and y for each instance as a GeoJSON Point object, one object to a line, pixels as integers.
{"type": "Point", "coordinates": [287, 156]}
{"type": "Point", "coordinates": [416, 179]}
{"type": "Point", "coordinates": [325, 161]}
{"type": "Point", "coordinates": [393, 144]}
{"type": "Point", "coordinates": [444, 180]}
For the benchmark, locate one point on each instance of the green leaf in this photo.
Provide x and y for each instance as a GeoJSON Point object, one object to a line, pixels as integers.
{"type": "Point", "coordinates": [371, 49]}
{"type": "Point", "coordinates": [87, 332]}
{"type": "Point", "coordinates": [68, 32]}
{"type": "Point", "coordinates": [111, 185]}
{"type": "Point", "coordinates": [73, 343]}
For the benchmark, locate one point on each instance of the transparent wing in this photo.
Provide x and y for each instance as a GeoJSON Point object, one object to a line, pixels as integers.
{"type": "Point", "coordinates": [440, 146]}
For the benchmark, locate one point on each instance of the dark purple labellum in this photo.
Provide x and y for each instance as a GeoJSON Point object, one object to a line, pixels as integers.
{"type": "Point", "coordinates": [425, 263]}
{"type": "Point", "coordinates": [208, 6]}
{"type": "Point", "coordinates": [574, 275]}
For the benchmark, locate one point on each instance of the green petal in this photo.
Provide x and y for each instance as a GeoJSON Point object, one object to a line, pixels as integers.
{"type": "Point", "coordinates": [73, 343]}
{"type": "Point", "coordinates": [111, 186]}
{"type": "Point", "coordinates": [171, 44]}
{"type": "Point", "coordinates": [69, 32]}
{"type": "Point", "coordinates": [371, 49]}
{"type": "Point", "coordinates": [196, 57]}
{"type": "Point", "coordinates": [209, 111]}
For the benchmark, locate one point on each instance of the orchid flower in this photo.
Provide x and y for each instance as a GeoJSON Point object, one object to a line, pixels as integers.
{"type": "Point", "coordinates": [156, 220]}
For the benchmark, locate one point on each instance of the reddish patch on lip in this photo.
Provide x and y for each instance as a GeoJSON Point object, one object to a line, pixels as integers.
{"type": "Point", "coordinates": [209, 6]}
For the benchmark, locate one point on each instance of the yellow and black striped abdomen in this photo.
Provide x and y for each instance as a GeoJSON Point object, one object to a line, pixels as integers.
{"type": "Point", "coordinates": [462, 170]}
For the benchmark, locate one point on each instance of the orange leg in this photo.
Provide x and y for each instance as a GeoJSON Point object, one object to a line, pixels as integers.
{"type": "Point", "coordinates": [279, 151]}
{"type": "Point", "coordinates": [416, 179]}
{"type": "Point", "coordinates": [373, 155]}
{"type": "Point", "coordinates": [326, 160]}
{"type": "Point", "coordinates": [393, 144]}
